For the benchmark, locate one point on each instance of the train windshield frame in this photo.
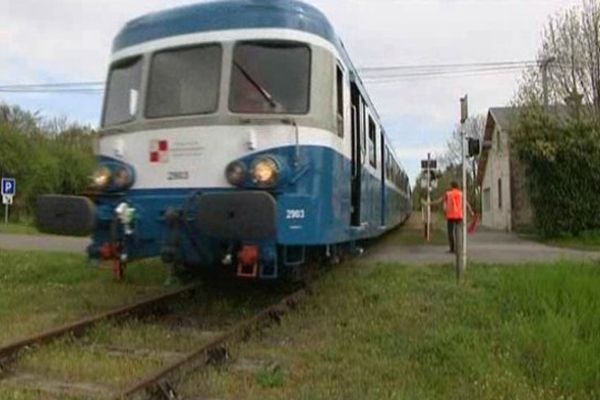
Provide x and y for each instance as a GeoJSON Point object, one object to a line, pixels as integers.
{"type": "Point", "coordinates": [184, 81]}
{"type": "Point", "coordinates": [122, 91]}
{"type": "Point", "coordinates": [270, 77]}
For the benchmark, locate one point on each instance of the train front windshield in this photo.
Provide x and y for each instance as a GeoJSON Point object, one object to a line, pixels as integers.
{"type": "Point", "coordinates": [271, 77]}
{"type": "Point", "coordinates": [123, 91]}
{"type": "Point", "coordinates": [267, 77]}
{"type": "Point", "coordinates": [184, 81]}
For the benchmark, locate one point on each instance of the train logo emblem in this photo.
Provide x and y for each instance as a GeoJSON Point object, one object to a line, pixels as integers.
{"type": "Point", "coordinates": [159, 151]}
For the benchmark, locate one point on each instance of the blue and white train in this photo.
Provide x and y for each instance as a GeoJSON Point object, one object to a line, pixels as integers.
{"type": "Point", "coordinates": [236, 135]}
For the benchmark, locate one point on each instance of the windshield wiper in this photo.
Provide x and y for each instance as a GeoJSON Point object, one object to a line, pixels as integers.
{"type": "Point", "coordinates": [256, 85]}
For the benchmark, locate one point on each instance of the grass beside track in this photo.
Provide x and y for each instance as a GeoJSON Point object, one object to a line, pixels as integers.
{"type": "Point", "coordinates": [585, 241]}
{"type": "Point", "coordinates": [413, 230]}
{"type": "Point", "coordinates": [18, 229]}
{"type": "Point", "coordinates": [40, 290]}
{"type": "Point", "coordinates": [398, 332]}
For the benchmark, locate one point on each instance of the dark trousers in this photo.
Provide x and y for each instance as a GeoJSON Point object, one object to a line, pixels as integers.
{"type": "Point", "coordinates": [453, 225]}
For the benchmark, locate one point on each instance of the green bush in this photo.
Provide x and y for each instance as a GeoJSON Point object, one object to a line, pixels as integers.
{"type": "Point", "coordinates": [42, 160]}
{"type": "Point", "coordinates": [562, 158]}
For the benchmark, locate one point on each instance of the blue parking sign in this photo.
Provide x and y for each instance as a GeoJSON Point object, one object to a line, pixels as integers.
{"type": "Point", "coordinates": [9, 186]}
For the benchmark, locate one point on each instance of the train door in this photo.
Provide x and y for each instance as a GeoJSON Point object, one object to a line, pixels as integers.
{"type": "Point", "coordinates": [383, 165]}
{"type": "Point", "coordinates": [357, 154]}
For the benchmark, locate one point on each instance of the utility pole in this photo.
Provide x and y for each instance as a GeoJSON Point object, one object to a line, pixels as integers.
{"type": "Point", "coordinates": [462, 249]}
{"type": "Point", "coordinates": [428, 231]}
{"type": "Point", "coordinates": [544, 68]}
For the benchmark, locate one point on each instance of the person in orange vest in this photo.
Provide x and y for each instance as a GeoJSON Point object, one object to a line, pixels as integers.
{"type": "Point", "coordinates": [453, 208]}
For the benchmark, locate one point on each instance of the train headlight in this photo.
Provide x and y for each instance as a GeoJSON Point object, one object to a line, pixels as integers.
{"type": "Point", "coordinates": [101, 178]}
{"type": "Point", "coordinates": [123, 178]}
{"type": "Point", "coordinates": [235, 173]}
{"type": "Point", "coordinates": [265, 172]}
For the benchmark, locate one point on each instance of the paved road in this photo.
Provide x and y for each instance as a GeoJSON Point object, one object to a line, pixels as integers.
{"type": "Point", "coordinates": [43, 242]}
{"type": "Point", "coordinates": [484, 247]}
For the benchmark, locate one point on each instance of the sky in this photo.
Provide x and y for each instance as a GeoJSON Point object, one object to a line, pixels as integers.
{"type": "Point", "coordinates": [43, 41]}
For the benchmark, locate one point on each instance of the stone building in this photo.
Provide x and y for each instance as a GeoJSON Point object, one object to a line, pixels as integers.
{"type": "Point", "coordinates": [501, 176]}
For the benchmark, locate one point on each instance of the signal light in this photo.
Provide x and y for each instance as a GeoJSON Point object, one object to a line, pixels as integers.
{"type": "Point", "coordinates": [474, 147]}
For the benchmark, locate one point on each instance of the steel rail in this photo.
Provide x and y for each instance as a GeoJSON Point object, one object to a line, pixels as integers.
{"type": "Point", "coordinates": [77, 328]}
{"type": "Point", "coordinates": [212, 352]}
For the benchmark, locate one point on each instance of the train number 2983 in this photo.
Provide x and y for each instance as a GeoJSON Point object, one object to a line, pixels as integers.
{"type": "Point", "coordinates": [295, 214]}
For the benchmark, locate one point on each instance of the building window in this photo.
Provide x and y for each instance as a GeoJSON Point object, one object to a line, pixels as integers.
{"type": "Point", "coordinates": [486, 199]}
{"type": "Point", "coordinates": [500, 193]}
{"type": "Point", "coordinates": [498, 141]}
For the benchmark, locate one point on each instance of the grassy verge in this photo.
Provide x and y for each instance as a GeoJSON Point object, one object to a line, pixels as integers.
{"type": "Point", "coordinates": [396, 332]}
{"type": "Point", "coordinates": [42, 290]}
{"type": "Point", "coordinates": [412, 233]}
{"type": "Point", "coordinates": [585, 241]}
{"type": "Point", "coordinates": [20, 229]}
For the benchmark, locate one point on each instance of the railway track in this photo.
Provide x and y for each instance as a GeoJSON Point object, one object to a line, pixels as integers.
{"type": "Point", "coordinates": [150, 368]}
{"type": "Point", "coordinates": [9, 352]}
{"type": "Point", "coordinates": [160, 382]}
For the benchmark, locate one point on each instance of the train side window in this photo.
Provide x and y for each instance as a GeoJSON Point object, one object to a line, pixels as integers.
{"type": "Point", "coordinates": [372, 143]}
{"type": "Point", "coordinates": [385, 162]}
{"type": "Point", "coordinates": [339, 83]}
{"type": "Point", "coordinates": [363, 139]}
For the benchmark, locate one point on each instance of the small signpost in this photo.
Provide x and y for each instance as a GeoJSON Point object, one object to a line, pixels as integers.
{"type": "Point", "coordinates": [8, 189]}
{"type": "Point", "coordinates": [461, 250]}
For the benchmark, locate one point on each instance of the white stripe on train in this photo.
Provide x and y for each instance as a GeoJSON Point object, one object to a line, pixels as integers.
{"type": "Point", "coordinates": [225, 36]}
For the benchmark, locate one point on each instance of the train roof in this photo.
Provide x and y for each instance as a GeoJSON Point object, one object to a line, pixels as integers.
{"type": "Point", "coordinates": [226, 14]}
{"type": "Point", "coordinates": [231, 14]}
{"type": "Point", "coordinates": [236, 14]}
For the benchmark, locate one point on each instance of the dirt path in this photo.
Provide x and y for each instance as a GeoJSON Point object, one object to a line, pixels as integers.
{"type": "Point", "coordinates": [485, 246]}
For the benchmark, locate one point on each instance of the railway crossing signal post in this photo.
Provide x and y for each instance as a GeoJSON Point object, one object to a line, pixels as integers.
{"type": "Point", "coordinates": [428, 166]}
{"type": "Point", "coordinates": [9, 188]}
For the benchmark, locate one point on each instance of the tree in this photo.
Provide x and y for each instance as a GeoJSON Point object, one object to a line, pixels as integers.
{"type": "Point", "coordinates": [572, 41]}
{"type": "Point", "coordinates": [560, 146]}
{"type": "Point", "coordinates": [45, 156]}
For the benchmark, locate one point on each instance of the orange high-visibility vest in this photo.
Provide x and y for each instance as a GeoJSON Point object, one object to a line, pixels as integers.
{"type": "Point", "coordinates": [454, 209]}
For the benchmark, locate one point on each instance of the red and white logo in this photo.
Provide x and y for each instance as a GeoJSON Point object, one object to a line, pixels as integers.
{"type": "Point", "coordinates": [159, 151]}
